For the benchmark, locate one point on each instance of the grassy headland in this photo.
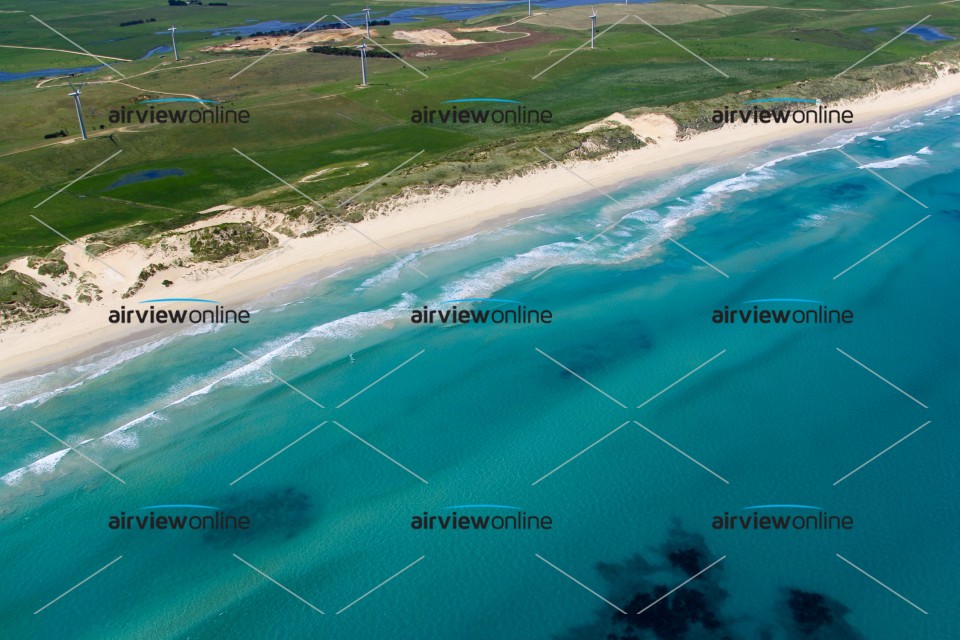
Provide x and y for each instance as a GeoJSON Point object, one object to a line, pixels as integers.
{"type": "Point", "coordinates": [309, 117]}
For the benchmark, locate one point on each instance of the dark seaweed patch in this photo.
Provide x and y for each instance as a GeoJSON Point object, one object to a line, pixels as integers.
{"type": "Point", "coordinates": [814, 615]}
{"type": "Point", "coordinates": [845, 191]}
{"type": "Point", "coordinates": [696, 611]}
{"type": "Point", "coordinates": [279, 512]}
{"type": "Point", "coordinates": [691, 612]}
{"type": "Point", "coordinates": [688, 560]}
{"type": "Point", "coordinates": [810, 611]}
{"type": "Point", "coordinates": [606, 349]}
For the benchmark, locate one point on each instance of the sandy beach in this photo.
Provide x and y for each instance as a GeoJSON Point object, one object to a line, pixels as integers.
{"type": "Point", "coordinates": [409, 223]}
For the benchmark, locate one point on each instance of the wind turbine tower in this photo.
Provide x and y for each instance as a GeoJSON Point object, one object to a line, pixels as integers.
{"type": "Point", "coordinates": [173, 39]}
{"type": "Point", "coordinates": [366, 14]}
{"type": "Point", "coordinates": [593, 27]}
{"type": "Point", "coordinates": [363, 64]}
{"type": "Point", "coordinates": [529, 7]}
{"type": "Point", "coordinates": [76, 101]}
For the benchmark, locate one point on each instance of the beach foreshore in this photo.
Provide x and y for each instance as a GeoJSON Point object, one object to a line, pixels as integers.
{"type": "Point", "coordinates": [411, 223]}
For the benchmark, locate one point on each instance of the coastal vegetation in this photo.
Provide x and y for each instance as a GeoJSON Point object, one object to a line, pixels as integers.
{"type": "Point", "coordinates": [22, 301]}
{"type": "Point", "coordinates": [219, 242]}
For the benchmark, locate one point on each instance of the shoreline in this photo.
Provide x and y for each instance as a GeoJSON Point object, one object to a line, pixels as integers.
{"type": "Point", "coordinates": [408, 222]}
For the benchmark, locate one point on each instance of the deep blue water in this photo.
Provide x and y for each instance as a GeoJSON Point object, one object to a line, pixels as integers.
{"type": "Point", "coordinates": [6, 76]}
{"type": "Point", "coordinates": [468, 11]}
{"type": "Point", "coordinates": [929, 34]}
{"type": "Point", "coordinates": [143, 176]}
{"type": "Point", "coordinates": [248, 29]}
{"type": "Point", "coordinates": [161, 49]}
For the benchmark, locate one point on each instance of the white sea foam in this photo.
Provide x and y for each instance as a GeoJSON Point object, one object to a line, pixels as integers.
{"type": "Point", "coordinates": [36, 390]}
{"type": "Point", "coordinates": [39, 398]}
{"type": "Point", "coordinates": [13, 478]}
{"type": "Point", "coordinates": [905, 124]}
{"type": "Point", "coordinates": [714, 195]}
{"type": "Point", "coordinates": [549, 256]}
{"type": "Point", "coordinates": [484, 282]}
{"type": "Point", "coordinates": [45, 464]}
{"type": "Point", "coordinates": [122, 440]}
{"type": "Point", "coordinates": [656, 227]}
{"type": "Point", "coordinates": [29, 391]}
{"type": "Point", "coordinates": [459, 243]}
{"type": "Point", "coordinates": [352, 326]}
{"type": "Point", "coordinates": [560, 228]}
{"type": "Point", "coordinates": [243, 371]}
{"type": "Point", "coordinates": [799, 154]}
{"type": "Point", "coordinates": [652, 231]}
{"type": "Point", "coordinates": [950, 107]}
{"type": "Point", "coordinates": [894, 162]}
{"type": "Point", "coordinates": [812, 221]}
{"type": "Point", "coordinates": [122, 437]}
{"type": "Point", "coordinates": [648, 216]}
{"type": "Point", "coordinates": [390, 274]}
{"type": "Point", "coordinates": [119, 436]}
{"type": "Point", "coordinates": [233, 373]}
{"type": "Point", "coordinates": [843, 138]}
{"type": "Point", "coordinates": [654, 195]}
{"type": "Point", "coordinates": [201, 329]}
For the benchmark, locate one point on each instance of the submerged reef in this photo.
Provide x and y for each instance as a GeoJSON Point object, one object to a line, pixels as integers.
{"type": "Point", "coordinates": [814, 615]}
{"type": "Point", "coordinates": [697, 611]}
{"type": "Point", "coordinates": [277, 512]}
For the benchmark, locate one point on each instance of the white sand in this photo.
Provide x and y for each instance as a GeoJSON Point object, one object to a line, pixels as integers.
{"type": "Point", "coordinates": [413, 222]}
{"type": "Point", "coordinates": [650, 127]}
{"type": "Point", "coordinates": [432, 37]}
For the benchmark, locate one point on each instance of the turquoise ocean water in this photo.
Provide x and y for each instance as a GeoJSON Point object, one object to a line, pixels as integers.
{"type": "Point", "coordinates": [480, 415]}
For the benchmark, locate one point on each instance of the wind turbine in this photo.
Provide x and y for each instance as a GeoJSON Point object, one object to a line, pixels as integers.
{"type": "Point", "coordinates": [529, 7]}
{"type": "Point", "coordinates": [363, 64]}
{"type": "Point", "coordinates": [593, 26]}
{"type": "Point", "coordinates": [76, 100]}
{"type": "Point", "coordinates": [366, 14]}
{"type": "Point", "coordinates": [173, 38]}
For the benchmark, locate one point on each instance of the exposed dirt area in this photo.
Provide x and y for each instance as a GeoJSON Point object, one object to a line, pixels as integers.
{"type": "Point", "coordinates": [436, 37]}
{"type": "Point", "coordinates": [533, 38]}
{"type": "Point", "coordinates": [299, 43]}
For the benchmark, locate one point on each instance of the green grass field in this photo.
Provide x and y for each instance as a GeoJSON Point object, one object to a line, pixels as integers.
{"type": "Point", "coordinates": [307, 112]}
